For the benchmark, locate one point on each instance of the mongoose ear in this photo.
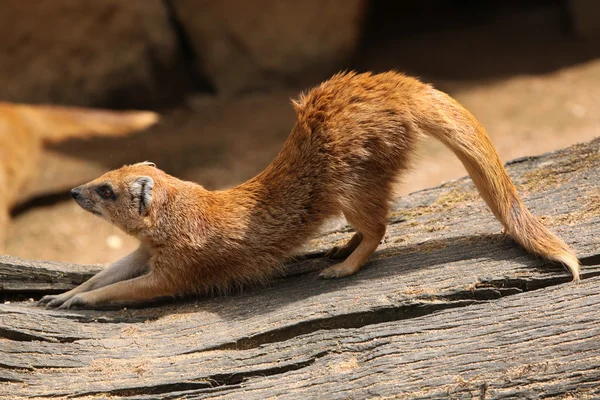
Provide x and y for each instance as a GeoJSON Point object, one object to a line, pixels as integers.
{"type": "Point", "coordinates": [141, 192]}
{"type": "Point", "coordinates": [147, 163]}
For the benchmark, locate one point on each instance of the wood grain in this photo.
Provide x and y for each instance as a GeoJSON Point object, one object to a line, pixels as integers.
{"type": "Point", "coordinates": [447, 307]}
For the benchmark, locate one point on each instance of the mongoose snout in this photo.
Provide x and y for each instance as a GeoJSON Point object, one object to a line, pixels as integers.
{"type": "Point", "coordinates": [75, 192]}
{"type": "Point", "coordinates": [83, 200]}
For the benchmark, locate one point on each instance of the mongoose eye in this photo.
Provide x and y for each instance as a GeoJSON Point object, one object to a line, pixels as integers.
{"type": "Point", "coordinates": [106, 192]}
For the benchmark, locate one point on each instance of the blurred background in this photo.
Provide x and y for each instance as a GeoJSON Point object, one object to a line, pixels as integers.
{"type": "Point", "coordinates": [221, 72]}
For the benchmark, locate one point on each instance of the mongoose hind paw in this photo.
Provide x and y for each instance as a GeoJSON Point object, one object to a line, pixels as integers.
{"type": "Point", "coordinates": [338, 271]}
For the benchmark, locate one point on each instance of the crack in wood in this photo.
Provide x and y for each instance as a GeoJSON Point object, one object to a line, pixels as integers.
{"type": "Point", "coordinates": [3, 379]}
{"type": "Point", "coordinates": [24, 337]}
{"type": "Point", "coordinates": [484, 291]}
{"type": "Point", "coordinates": [17, 296]}
{"type": "Point", "coordinates": [345, 321]}
{"type": "Point", "coordinates": [211, 382]}
{"type": "Point", "coordinates": [6, 366]}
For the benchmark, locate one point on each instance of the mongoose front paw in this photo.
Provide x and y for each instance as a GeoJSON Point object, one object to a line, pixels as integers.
{"type": "Point", "coordinates": [54, 301]}
{"type": "Point", "coordinates": [77, 301]}
{"type": "Point", "coordinates": [46, 299]}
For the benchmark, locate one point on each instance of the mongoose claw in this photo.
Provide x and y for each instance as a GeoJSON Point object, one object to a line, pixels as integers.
{"type": "Point", "coordinates": [55, 301]}
{"type": "Point", "coordinates": [46, 299]}
{"type": "Point", "coordinates": [77, 301]}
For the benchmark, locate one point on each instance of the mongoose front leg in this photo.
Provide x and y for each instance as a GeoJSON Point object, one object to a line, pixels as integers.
{"type": "Point", "coordinates": [341, 252]}
{"type": "Point", "coordinates": [146, 287]}
{"type": "Point", "coordinates": [357, 259]}
{"type": "Point", "coordinates": [128, 267]}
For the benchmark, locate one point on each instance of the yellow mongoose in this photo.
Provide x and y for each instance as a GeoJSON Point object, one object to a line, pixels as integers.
{"type": "Point", "coordinates": [25, 127]}
{"type": "Point", "coordinates": [352, 139]}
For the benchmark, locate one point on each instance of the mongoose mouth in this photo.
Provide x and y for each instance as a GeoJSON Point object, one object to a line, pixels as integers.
{"type": "Point", "coordinates": [94, 212]}
{"type": "Point", "coordinates": [88, 206]}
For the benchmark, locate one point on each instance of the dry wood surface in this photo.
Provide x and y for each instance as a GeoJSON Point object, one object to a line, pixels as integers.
{"type": "Point", "coordinates": [448, 307]}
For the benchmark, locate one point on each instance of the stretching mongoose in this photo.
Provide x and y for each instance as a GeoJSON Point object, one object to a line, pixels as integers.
{"type": "Point", "coordinates": [24, 128]}
{"type": "Point", "coordinates": [352, 139]}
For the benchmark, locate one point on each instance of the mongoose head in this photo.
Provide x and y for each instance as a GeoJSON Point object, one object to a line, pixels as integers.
{"type": "Point", "coordinates": [122, 196]}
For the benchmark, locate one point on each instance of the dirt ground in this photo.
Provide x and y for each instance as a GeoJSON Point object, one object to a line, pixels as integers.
{"type": "Point", "coordinates": [220, 142]}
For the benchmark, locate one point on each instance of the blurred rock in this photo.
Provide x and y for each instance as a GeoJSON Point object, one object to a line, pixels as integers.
{"type": "Point", "coordinates": [585, 17]}
{"type": "Point", "coordinates": [110, 52]}
{"type": "Point", "coordinates": [242, 46]}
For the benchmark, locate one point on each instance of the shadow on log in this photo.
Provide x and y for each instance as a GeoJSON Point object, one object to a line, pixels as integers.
{"type": "Point", "coordinates": [447, 307]}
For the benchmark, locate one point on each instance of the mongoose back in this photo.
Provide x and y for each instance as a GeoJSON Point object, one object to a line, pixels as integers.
{"type": "Point", "coordinates": [24, 128]}
{"type": "Point", "coordinates": [352, 139]}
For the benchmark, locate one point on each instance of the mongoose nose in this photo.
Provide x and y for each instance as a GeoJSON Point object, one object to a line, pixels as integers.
{"type": "Point", "coordinates": [75, 193]}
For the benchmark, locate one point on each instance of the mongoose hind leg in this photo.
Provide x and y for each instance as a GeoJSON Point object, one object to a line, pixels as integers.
{"type": "Point", "coordinates": [341, 252]}
{"type": "Point", "coordinates": [371, 225]}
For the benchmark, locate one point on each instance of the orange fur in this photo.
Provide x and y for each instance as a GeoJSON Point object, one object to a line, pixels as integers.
{"type": "Point", "coordinates": [24, 128]}
{"type": "Point", "coordinates": [353, 138]}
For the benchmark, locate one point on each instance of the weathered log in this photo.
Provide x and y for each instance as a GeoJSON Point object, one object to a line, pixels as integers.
{"type": "Point", "coordinates": [448, 307]}
{"type": "Point", "coordinates": [19, 276]}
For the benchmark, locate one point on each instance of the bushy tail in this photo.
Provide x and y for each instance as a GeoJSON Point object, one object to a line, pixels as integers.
{"type": "Point", "coordinates": [460, 131]}
{"type": "Point", "coordinates": [56, 123]}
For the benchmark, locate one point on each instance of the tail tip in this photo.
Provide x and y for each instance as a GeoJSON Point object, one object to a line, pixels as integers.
{"type": "Point", "coordinates": [571, 263]}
